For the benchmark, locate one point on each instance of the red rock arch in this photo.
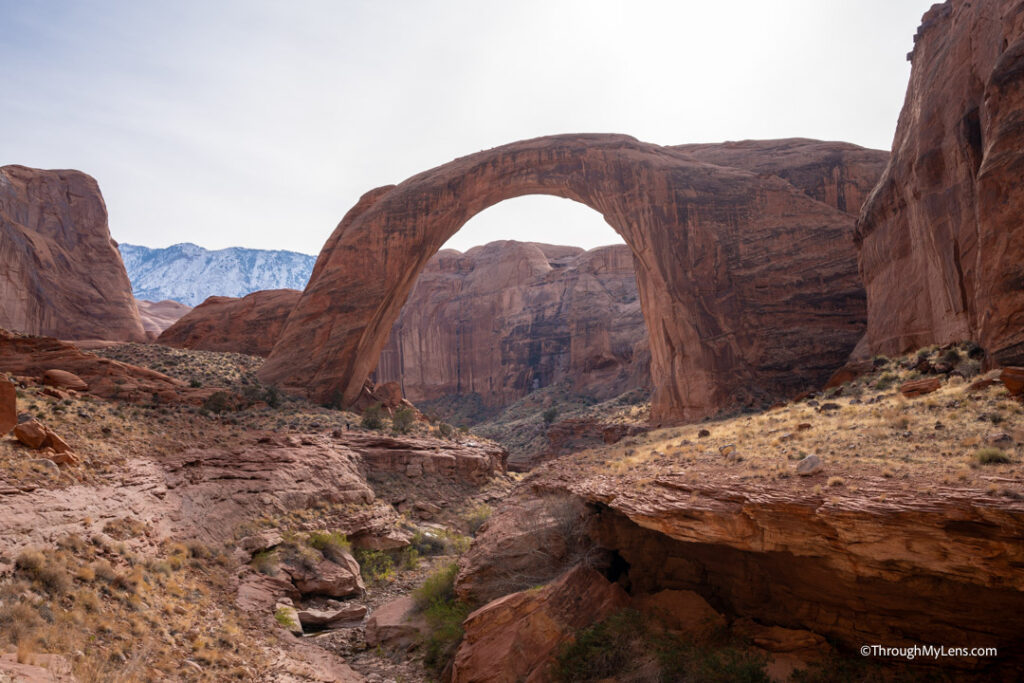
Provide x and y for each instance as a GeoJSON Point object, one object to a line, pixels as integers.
{"type": "Point", "coordinates": [749, 286]}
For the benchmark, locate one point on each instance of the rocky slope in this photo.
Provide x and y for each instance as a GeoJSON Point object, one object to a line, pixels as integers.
{"type": "Point", "coordinates": [748, 281]}
{"type": "Point", "coordinates": [249, 325]}
{"type": "Point", "coordinates": [157, 316]}
{"type": "Point", "coordinates": [60, 273]}
{"type": "Point", "coordinates": [940, 237]}
{"type": "Point", "coordinates": [189, 274]}
{"type": "Point", "coordinates": [504, 319]}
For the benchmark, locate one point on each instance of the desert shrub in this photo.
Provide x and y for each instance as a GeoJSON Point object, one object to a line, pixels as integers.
{"type": "Point", "coordinates": [713, 664]}
{"type": "Point", "coordinates": [601, 651]}
{"type": "Point", "coordinates": [409, 558]}
{"type": "Point", "coordinates": [549, 415]}
{"type": "Point", "coordinates": [272, 397]}
{"type": "Point", "coordinates": [991, 456]}
{"type": "Point", "coordinates": [373, 417]}
{"type": "Point", "coordinates": [48, 573]}
{"type": "Point", "coordinates": [18, 621]}
{"type": "Point", "coordinates": [283, 616]}
{"type": "Point", "coordinates": [444, 615]}
{"type": "Point", "coordinates": [375, 566]}
{"type": "Point", "coordinates": [886, 381]}
{"type": "Point", "coordinates": [265, 562]}
{"type": "Point", "coordinates": [218, 402]}
{"type": "Point", "coordinates": [332, 544]}
{"type": "Point", "coordinates": [401, 421]}
{"type": "Point", "coordinates": [951, 356]}
{"type": "Point", "coordinates": [439, 587]}
{"type": "Point", "coordinates": [476, 517]}
{"type": "Point", "coordinates": [445, 430]}
{"type": "Point", "coordinates": [195, 383]}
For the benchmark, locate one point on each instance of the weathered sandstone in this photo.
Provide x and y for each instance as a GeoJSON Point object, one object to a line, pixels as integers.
{"type": "Point", "coordinates": [157, 316]}
{"type": "Point", "coordinates": [515, 637]}
{"type": "Point", "coordinates": [60, 272]}
{"type": "Point", "coordinates": [941, 240]}
{"type": "Point", "coordinates": [916, 568]}
{"type": "Point", "coordinates": [747, 282]}
{"type": "Point", "coordinates": [249, 325]}
{"type": "Point", "coordinates": [509, 317]}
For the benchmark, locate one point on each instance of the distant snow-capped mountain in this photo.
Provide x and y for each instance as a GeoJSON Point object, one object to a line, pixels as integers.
{"type": "Point", "coordinates": [189, 274]}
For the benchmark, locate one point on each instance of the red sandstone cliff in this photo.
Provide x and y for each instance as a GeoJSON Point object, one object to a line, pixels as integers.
{"type": "Point", "coordinates": [249, 325]}
{"type": "Point", "coordinates": [60, 272]}
{"type": "Point", "coordinates": [509, 317]}
{"type": "Point", "coordinates": [941, 238]}
{"type": "Point", "coordinates": [157, 316]}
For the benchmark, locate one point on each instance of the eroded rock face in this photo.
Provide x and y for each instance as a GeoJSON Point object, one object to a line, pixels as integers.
{"type": "Point", "coordinates": [747, 283]}
{"type": "Point", "coordinates": [157, 316]}
{"type": "Point", "coordinates": [515, 637]}
{"type": "Point", "coordinates": [60, 272]}
{"type": "Point", "coordinates": [930, 567]}
{"type": "Point", "coordinates": [510, 317]}
{"type": "Point", "coordinates": [248, 325]}
{"type": "Point", "coordinates": [941, 240]}
{"type": "Point", "coordinates": [8, 406]}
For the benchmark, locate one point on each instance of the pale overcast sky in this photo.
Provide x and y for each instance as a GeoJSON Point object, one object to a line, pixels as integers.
{"type": "Point", "coordinates": [258, 123]}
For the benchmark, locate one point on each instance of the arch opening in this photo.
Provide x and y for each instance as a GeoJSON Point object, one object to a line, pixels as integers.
{"type": "Point", "coordinates": [503, 318]}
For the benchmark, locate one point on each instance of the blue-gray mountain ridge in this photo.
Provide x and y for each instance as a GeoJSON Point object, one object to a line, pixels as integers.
{"type": "Point", "coordinates": [188, 273]}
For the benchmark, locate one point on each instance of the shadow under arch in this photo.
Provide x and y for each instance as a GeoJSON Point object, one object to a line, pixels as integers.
{"type": "Point", "coordinates": [728, 290]}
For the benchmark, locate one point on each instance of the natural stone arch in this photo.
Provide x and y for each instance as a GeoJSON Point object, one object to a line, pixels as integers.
{"type": "Point", "coordinates": [749, 287]}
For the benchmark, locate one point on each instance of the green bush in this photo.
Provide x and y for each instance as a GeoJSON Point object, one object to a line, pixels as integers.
{"type": "Point", "coordinates": [266, 562]}
{"type": "Point", "coordinates": [439, 587]}
{"type": "Point", "coordinates": [601, 651]}
{"type": "Point", "coordinates": [444, 615]}
{"type": "Point", "coordinates": [373, 417]}
{"type": "Point", "coordinates": [991, 456]}
{"type": "Point", "coordinates": [445, 430]}
{"type": "Point", "coordinates": [886, 381]}
{"type": "Point", "coordinates": [375, 566]}
{"type": "Point", "coordinates": [332, 544]}
{"type": "Point", "coordinates": [549, 415]}
{"type": "Point", "coordinates": [401, 421]}
{"type": "Point", "coordinates": [284, 617]}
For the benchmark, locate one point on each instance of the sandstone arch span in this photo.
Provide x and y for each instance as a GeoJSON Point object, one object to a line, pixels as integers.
{"type": "Point", "coordinates": [749, 286]}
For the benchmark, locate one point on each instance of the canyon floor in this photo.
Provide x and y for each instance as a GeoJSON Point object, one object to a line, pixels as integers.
{"type": "Point", "coordinates": [187, 532]}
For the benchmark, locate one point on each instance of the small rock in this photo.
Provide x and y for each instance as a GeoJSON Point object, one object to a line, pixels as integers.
{"type": "Point", "coordinates": [828, 406]}
{"type": "Point", "coordinates": [1013, 379]}
{"type": "Point", "coordinates": [396, 624]}
{"type": "Point", "coordinates": [727, 449]}
{"type": "Point", "coordinates": [703, 433]}
{"type": "Point", "coordinates": [261, 541]}
{"type": "Point", "coordinates": [920, 387]}
{"type": "Point", "coordinates": [803, 426]}
{"type": "Point", "coordinates": [319, 618]}
{"type": "Point", "coordinates": [812, 464]}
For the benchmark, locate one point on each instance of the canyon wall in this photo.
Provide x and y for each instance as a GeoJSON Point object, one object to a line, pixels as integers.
{"type": "Point", "coordinates": [509, 317]}
{"type": "Point", "coordinates": [941, 240]}
{"type": "Point", "coordinates": [60, 272]}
